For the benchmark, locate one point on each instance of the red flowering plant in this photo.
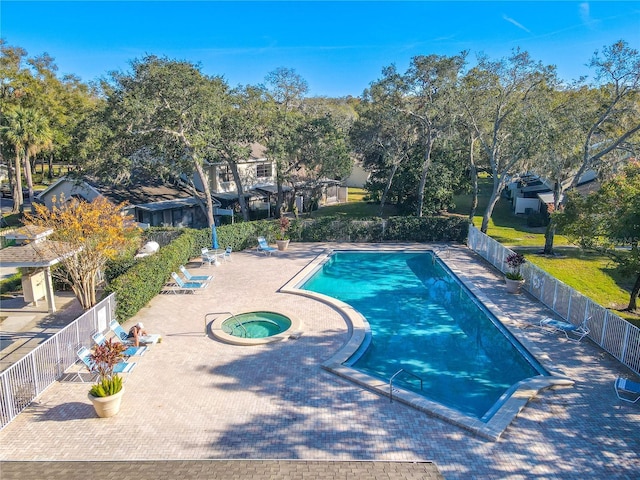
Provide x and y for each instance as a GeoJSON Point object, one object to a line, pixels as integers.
{"type": "Point", "coordinates": [104, 358]}
{"type": "Point", "coordinates": [284, 223]}
{"type": "Point", "coordinates": [515, 261]}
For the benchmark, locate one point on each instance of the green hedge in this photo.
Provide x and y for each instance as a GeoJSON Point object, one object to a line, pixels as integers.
{"type": "Point", "coordinates": [135, 288]}
{"type": "Point", "coordinates": [145, 278]}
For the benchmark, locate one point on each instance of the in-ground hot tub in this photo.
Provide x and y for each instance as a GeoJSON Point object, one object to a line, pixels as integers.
{"type": "Point", "coordinates": [255, 328]}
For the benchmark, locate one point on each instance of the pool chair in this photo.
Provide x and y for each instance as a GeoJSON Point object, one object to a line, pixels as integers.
{"type": "Point", "coordinates": [194, 278]}
{"type": "Point", "coordinates": [626, 390]}
{"type": "Point", "coordinates": [226, 255]}
{"type": "Point", "coordinates": [84, 355]}
{"type": "Point", "coordinates": [264, 247]}
{"type": "Point", "coordinates": [124, 336]}
{"type": "Point", "coordinates": [99, 339]}
{"type": "Point", "coordinates": [187, 286]}
{"type": "Point", "coordinates": [209, 257]}
{"type": "Point", "coordinates": [571, 331]}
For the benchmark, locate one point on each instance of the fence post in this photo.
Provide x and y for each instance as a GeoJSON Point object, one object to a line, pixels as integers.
{"type": "Point", "coordinates": [34, 372]}
{"type": "Point", "coordinates": [604, 326]}
{"type": "Point", "coordinates": [625, 342]}
{"type": "Point", "coordinates": [8, 401]}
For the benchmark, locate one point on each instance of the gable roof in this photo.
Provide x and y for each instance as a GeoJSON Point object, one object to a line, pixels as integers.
{"type": "Point", "coordinates": [144, 192]}
{"type": "Point", "coordinates": [139, 192]}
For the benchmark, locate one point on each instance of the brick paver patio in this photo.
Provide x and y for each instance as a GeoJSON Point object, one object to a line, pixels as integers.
{"type": "Point", "coordinates": [194, 398]}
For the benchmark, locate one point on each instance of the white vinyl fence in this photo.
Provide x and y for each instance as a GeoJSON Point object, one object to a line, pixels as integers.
{"type": "Point", "coordinates": [26, 379]}
{"type": "Point", "coordinates": [614, 334]}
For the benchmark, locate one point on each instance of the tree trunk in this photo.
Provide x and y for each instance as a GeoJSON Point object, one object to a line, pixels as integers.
{"type": "Point", "coordinates": [279, 175]}
{"type": "Point", "coordinates": [387, 187]}
{"type": "Point", "coordinates": [634, 295]}
{"type": "Point", "coordinates": [50, 173]}
{"type": "Point", "coordinates": [473, 173]}
{"type": "Point", "coordinates": [18, 200]}
{"type": "Point", "coordinates": [207, 192]}
{"type": "Point", "coordinates": [487, 213]}
{"type": "Point", "coordinates": [550, 232]}
{"type": "Point", "coordinates": [498, 186]}
{"type": "Point", "coordinates": [28, 175]}
{"type": "Point", "coordinates": [423, 177]}
{"type": "Point", "coordinates": [549, 235]}
{"type": "Point", "coordinates": [241, 200]}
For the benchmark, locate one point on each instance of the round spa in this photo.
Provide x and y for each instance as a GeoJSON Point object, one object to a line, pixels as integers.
{"type": "Point", "coordinates": [254, 328]}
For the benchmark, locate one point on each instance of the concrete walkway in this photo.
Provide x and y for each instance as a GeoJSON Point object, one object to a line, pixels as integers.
{"type": "Point", "coordinates": [192, 398]}
{"type": "Point", "coordinates": [25, 326]}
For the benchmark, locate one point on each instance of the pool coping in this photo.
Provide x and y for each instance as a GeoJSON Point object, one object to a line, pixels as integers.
{"type": "Point", "coordinates": [359, 330]}
{"type": "Point", "coordinates": [215, 328]}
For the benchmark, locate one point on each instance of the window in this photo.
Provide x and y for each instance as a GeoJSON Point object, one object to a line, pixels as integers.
{"type": "Point", "coordinates": [224, 173]}
{"type": "Point", "coordinates": [263, 170]}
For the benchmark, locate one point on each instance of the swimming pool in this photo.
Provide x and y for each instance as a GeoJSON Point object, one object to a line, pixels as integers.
{"type": "Point", "coordinates": [420, 318]}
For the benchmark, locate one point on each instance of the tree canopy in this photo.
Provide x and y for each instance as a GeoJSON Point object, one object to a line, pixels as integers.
{"type": "Point", "coordinates": [609, 221]}
{"type": "Point", "coordinates": [95, 232]}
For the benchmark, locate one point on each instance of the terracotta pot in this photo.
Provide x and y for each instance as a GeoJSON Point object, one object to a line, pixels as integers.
{"type": "Point", "coordinates": [514, 286]}
{"type": "Point", "coordinates": [282, 244]}
{"type": "Point", "coordinates": [107, 406]}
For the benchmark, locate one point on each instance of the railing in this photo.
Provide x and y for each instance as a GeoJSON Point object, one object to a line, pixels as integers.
{"type": "Point", "coordinates": [237, 323]}
{"type": "Point", "coordinates": [611, 332]}
{"type": "Point", "coordinates": [402, 370]}
{"type": "Point", "coordinates": [25, 380]}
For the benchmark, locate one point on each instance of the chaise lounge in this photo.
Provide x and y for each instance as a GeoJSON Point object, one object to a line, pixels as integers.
{"type": "Point", "coordinates": [571, 331]}
{"type": "Point", "coordinates": [99, 338]}
{"type": "Point", "coordinates": [627, 390]}
{"type": "Point", "coordinates": [187, 286]}
{"type": "Point", "coordinates": [124, 336]}
{"type": "Point", "coordinates": [264, 247]}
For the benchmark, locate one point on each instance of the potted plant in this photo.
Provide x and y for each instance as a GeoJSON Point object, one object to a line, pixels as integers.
{"type": "Point", "coordinates": [513, 277]}
{"type": "Point", "coordinates": [282, 240]}
{"type": "Point", "coordinates": [106, 394]}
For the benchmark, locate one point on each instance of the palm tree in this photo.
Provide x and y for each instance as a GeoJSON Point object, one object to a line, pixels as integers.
{"type": "Point", "coordinates": [29, 133]}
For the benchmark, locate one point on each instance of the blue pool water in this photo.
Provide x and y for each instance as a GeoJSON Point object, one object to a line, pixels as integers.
{"type": "Point", "coordinates": [256, 324]}
{"type": "Point", "coordinates": [423, 320]}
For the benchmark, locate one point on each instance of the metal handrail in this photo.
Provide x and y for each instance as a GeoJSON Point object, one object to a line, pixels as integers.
{"type": "Point", "coordinates": [238, 323]}
{"type": "Point", "coordinates": [395, 375]}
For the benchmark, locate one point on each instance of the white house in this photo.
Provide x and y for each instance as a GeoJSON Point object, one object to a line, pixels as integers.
{"type": "Point", "coordinates": [257, 174]}
{"type": "Point", "coordinates": [531, 193]}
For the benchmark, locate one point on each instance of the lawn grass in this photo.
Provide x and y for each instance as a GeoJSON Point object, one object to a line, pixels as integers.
{"type": "Point", "coordinates": [357, 195]}
{"type": "Point", "coordinates": [591, 274]}
{"type": "Point", "coordinates": [504, 226]}
{"type": "Point", "coordinates": [356, 207]}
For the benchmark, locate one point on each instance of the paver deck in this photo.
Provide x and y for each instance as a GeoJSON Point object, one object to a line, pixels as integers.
{"type": "Point", "coordinates": [194, 398]}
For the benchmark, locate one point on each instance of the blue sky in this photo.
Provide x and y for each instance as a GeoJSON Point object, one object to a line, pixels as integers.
{"type": "Point", "coordinates": [339, 48]}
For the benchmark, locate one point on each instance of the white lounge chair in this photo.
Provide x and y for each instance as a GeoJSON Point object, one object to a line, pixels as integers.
{"type": "Point", "coordinates": [187, 286]}
{"type": "Point", "coordinates": [194, 278]}
{"type": "Point", "coordinates": [264, 247]}
{"type": "Point", "coordinates": [626, 390]}
{"type": "Point", "coordinates": [84, 354]}
{"type": "Point", "coordinates": [99, 338]}
{"type": "Point", "coordinates": [124, 336]}
{"type": "Point", "coordinates": [571, 331]}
